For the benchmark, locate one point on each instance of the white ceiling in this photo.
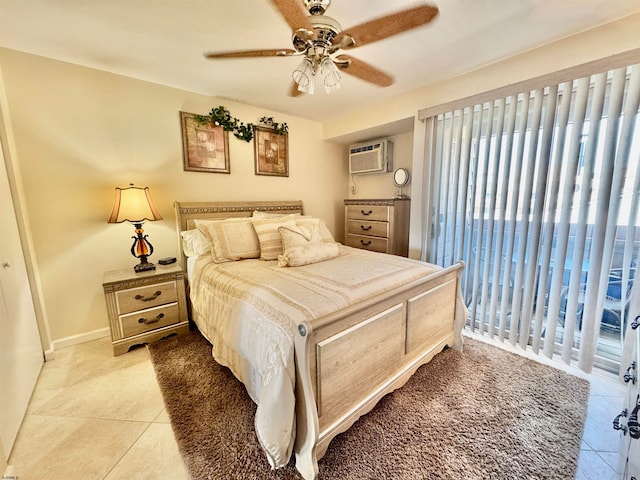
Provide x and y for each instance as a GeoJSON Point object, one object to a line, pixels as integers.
{"type": "Point", "coordinates": [163, 41]}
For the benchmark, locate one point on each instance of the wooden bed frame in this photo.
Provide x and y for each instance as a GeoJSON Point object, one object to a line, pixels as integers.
{"type": "Point", "coordinates": [347, 361]}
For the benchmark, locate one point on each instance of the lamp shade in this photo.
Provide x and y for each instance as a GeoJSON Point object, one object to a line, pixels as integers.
{"type": "Point", "coordinates": [133, 204]}
{"type": "Point", "coordinates": [304, 76]}
{"type": "Point", "coordinates": [330, 75]}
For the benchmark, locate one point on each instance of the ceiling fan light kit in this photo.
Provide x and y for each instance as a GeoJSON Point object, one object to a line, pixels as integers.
{"type": "Point", "coordinates": [318, 37]}
{"type": "Point", "coordinates": [304, 76]}
{"type": "Point", "coordinates": [330, 75]}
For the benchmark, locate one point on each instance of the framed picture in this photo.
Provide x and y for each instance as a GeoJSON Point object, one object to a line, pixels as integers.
{"type": "Point", "coordinates": [205, 147]}
{"type": "Point", "coordinates": [271, 152]}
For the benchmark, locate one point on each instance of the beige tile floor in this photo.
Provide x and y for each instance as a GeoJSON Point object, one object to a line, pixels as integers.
{"type": "Point", "coordinates": [599, 458]}
{"type": "Point", "coordinates": [95, 416]}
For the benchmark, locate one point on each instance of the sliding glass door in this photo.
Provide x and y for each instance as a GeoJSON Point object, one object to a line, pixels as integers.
{"type": "Point", "coordinates": [538, 191]}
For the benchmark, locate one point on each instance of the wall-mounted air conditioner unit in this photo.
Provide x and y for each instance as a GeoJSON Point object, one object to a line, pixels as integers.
{"type": "Point", "coordinates": [371, 157]}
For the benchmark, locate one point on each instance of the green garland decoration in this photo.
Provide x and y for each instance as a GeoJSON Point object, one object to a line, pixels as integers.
{"type": "Point", "coordinates": [221, 117]}
{"type": "Point", "coordinates": [279, 128]}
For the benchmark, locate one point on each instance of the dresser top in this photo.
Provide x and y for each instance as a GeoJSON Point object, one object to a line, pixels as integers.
{"type": "Point", "coordinates": [374, 201]}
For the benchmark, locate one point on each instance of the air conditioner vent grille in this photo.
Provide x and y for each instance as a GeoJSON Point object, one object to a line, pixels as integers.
{"type": "Point", "coordinates": [371, 157]}
{"type": "Point", "coordinates": [365, 148]}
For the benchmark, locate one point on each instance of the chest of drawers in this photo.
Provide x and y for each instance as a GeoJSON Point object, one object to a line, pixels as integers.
{"type": "Point", "coordinates": [380, 225]}
{"type": "Point", "coordinates": [144, 307]}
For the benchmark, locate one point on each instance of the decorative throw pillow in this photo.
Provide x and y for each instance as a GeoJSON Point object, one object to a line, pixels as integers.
{"type": "Point", "coordinates": [303, 246]}
{"type": "Point", "coordinates": [195, 243]}
{"type": "Point", "coordinates": [269, 236]}
{"type": "Point", "coordinates": [299, 235]}
{"type": "Point", "coordinates": [305, 220]}
{"type": "Point", "coordinates": [231, 239]}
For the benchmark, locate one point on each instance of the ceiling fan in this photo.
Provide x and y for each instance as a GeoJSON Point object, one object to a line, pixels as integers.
{"type": "Point", "coordinates": [318, 38]}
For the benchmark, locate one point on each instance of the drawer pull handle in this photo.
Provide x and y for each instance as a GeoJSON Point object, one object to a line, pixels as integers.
{"type": "Point", "coordinates": [630, 374]}
{"type": "Point", "coordinates": [366, 244]}
{"type": "Point", "coordinates": [366, 213]}
{"type": "Point", "coordinates": [633, 424]}
{"type": "Point", "coordinates": [616, 422]}
{"type": "Point", "coordinates": [159, 317]}
{"type": "Point", "coordinates": [366, 229]}
{"type": "Point", "coordinates": [149, 298]}
{"type": "Point", "coordinates": [636, 322]}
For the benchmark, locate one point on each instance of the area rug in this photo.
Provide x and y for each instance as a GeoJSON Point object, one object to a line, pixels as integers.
{"type": "Point", "coordinates": [483, 413]}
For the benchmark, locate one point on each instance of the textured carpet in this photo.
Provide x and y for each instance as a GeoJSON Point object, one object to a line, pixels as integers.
{"type": "Point", "coordinates": [481, 414]}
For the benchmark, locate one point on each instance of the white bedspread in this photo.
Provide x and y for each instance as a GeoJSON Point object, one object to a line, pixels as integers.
{"type": "Point", "coordinates": [249, 310]}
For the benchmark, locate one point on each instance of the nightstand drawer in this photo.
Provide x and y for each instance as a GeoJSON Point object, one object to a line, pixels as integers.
{"type": "Point", "coordinates": [363, 227]}
{"type": "Point", "coordinates": [375, 244]}
{"type": "Point", "coordinates": [150, 319]}
{"type": "Point", "coordinates": [145, 297]}
{"type": "Point", "coordinates": [368, 212]}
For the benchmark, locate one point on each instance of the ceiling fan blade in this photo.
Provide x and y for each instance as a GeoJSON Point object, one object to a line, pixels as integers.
{"type": "Point", "coordinates": [388, 26]}
{"type": "Point", "coordinates": [295, 15]}
{"type": "Point", "coordinates": [363, 71]}
{"type": "Point", "coordinates": [282, 52]}
{"type": "Point", "coordinates": [293, 90]}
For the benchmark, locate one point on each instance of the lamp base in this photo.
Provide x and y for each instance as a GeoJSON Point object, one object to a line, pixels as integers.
{"type": "Point", "coordinates": [143, 267]}
{"type": "Point", "coordinates": [141, 249]}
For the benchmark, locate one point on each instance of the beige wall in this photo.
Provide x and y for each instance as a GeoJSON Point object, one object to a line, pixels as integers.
{"type": "Point", "coordinates": [81, 132]}
{"type": "Point", "coordinates": [601, 42]}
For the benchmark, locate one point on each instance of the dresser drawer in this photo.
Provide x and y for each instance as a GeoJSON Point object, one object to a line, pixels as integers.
{"type": "Point", "coordinates": [368, 212]}
{"type": "Point", "coordinates": [373, 229]}
{"type": "Point", "coordinates": [375, 244]}
{"type": "Point", "coordinates": [135, 299]}
{"type": "Point", "coordinates": [140, 322]}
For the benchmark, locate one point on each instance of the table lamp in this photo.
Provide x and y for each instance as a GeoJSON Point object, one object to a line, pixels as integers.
{"type": "Point", "coordinates": [134, 204]}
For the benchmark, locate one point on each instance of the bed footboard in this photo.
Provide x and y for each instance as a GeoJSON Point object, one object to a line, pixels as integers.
{"type": "Point", "coordinates": [348, 361]}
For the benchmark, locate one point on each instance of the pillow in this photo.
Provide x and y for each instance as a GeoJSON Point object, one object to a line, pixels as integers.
{"type": "Point", "coordinates": [195, 243]}
{"type": "Point", "coordinates": [268, 235]}
{"type": "Point", "coordinates": [326, 235]}
{"type": "Point", "coordinates": [303, 246]}
{"type": "Point", "coordinates": [308, 254]}
{"type": "Point", "coordinates": [304, 220]}
{"type": "Point", "coordinates": [299, 235]}
{"type": "Point", "coordinates": [231, 239]}
{"type": "Point", "coordinates": [261, 214]}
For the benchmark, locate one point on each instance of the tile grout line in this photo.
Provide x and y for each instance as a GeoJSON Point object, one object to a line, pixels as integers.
{"type": "Point", "coordinates": [124, 454]}
{"type": "Point", "coordinates": [611, 471]}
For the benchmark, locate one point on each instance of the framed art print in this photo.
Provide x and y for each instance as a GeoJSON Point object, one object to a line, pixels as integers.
{"type": "Point", "coordinates": [271, 152]}
{"type": "Point", "coordinates": [205, 147]}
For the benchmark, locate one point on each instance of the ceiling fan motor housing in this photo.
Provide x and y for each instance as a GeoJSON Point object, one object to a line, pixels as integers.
{"type": "Point", "coordinates": [325, 28]}
{"type": "Point", "coordinates": [317, 7]}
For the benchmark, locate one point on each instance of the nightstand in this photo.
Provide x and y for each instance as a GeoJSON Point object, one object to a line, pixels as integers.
{"type": "Point", "coordinates": [145, 307]}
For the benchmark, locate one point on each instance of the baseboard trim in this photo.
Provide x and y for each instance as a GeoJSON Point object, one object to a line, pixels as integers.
{"type": "Point", "coordinates": [77, 339]}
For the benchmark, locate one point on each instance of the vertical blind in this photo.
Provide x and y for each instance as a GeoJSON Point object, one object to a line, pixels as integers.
{"type": "Point", "coordinates": [538, 191]}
